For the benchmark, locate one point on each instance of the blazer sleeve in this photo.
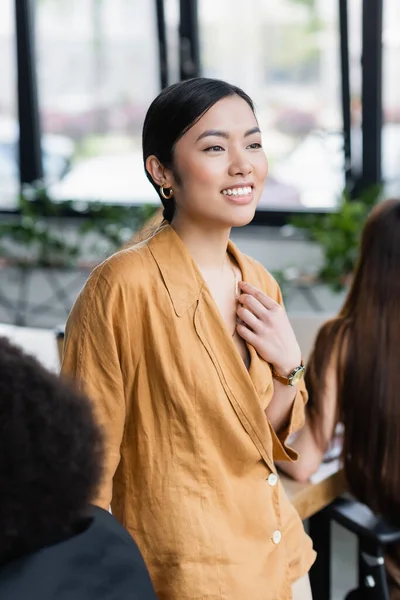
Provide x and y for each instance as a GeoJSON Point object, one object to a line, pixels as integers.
{"type": "Point", "coordinates": [281, 449]}
{"type": "Point", "coordinates": [93, 346]}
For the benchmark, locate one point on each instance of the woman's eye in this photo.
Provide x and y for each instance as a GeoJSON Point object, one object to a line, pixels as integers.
{"type": "Point", "coordinates": [255, 146]}
{"type": "Point", "coordinates": [214, 149]}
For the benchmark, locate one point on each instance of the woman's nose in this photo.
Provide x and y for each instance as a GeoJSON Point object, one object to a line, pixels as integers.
{"type": "Point", "coordinates": [240, 164]}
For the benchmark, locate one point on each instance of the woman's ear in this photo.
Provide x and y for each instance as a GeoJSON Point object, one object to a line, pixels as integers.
{"type": "Point", "coordinates": [159, 174]}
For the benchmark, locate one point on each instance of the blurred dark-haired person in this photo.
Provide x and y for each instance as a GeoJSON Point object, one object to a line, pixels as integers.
{"type": "Point", "coordinates": [53, 544]}
{"type": "Point", "coordinates": [353, 379]}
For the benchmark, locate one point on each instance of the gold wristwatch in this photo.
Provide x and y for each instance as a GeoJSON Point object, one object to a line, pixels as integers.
{"type": "Point", "coordinates": [294, 376]}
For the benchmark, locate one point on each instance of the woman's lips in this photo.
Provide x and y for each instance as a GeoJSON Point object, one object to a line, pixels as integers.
{"type": "Point", "coordinates": [239, 195]}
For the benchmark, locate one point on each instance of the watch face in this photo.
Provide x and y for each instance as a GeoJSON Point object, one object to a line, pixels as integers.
{"type": "Point", "coordinates": [297, 376]}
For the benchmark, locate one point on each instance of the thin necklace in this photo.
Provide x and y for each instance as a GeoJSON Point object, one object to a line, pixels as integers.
{"type": "Point", "coordinates": [236, 288]}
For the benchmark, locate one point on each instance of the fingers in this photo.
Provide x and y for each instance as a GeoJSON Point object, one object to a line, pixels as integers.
{"type": "Point", "coordinates": [252, 305]}
{"type": "Point", "coordinates": [265, 300]}
{"type": "Point", "coordinates": [248, 335]}
{"type": "Point", "coordinates": [248, 318]}
{"type": "Point", "coordinates": [258, 309]}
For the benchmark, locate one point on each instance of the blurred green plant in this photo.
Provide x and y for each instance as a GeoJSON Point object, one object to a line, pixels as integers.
{"type": "Point", "coordinates": [37, 235]}
{"type": "Point", "coordinates": [338, 234]}
{"type": "Point", "coordinates": [309, 3]}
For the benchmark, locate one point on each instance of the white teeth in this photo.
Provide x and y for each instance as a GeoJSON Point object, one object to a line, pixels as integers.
{"type": "Point", "coordinates": [242, 191]}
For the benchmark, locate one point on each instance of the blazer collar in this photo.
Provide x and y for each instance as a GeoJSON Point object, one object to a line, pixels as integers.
{"type": "Point", "coordinates": [179, 271]}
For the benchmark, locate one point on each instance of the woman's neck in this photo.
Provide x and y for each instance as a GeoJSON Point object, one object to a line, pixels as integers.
{"type": "Point", "coordinates": [206, 245]}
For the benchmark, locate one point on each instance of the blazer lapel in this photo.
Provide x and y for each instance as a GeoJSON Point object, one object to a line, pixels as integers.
{"type": "Point", "coordinates": [236, 380]}
{"type": "Point", "coordinates": [259, 370]}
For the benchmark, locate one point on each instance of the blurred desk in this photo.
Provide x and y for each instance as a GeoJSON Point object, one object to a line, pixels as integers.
{"type": "Point", "coordinates": [309, 498]}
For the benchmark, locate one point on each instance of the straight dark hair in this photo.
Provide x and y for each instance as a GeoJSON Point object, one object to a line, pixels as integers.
{"type": "Point", "coordinates": [365, 339]}
{"type": "Point", "coordinates": [175, 110]}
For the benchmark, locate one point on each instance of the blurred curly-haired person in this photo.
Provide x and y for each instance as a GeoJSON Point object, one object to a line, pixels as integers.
{"type": "Point", "coordinates": [53, 544]}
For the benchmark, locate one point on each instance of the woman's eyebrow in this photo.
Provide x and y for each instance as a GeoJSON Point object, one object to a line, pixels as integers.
{"type": "Point", "coordinates": [224, 134]}
{"type": "Point", "coordinates": [252, 130]}
{"type": "Point", "coordinates": [213, 133]}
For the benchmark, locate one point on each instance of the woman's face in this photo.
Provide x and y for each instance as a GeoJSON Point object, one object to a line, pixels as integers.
{"type": "Point", "coordinates": [220, 166]}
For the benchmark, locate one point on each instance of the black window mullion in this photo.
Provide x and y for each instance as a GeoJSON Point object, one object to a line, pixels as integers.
{"type": "Point", "coordinates": [30, 155]}
{"type": "Point", "coordinates": [162, 44]}
{"type": "Point", "coordinates": [372, 24]}
{"type": "Point", "coordinates": [189, 50]}
{"type": "Point", "coordinates": [345, 88]}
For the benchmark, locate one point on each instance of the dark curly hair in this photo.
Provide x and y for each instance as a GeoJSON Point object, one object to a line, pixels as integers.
{"type": "Point", "coordinates": [51, 455]}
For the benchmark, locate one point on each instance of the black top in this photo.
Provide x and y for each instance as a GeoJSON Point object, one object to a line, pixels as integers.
{"type": "Point", "coordinates": [102, 562]}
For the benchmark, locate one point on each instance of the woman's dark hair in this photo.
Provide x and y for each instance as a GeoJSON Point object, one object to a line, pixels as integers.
{"type": "Point", "coordinates": [172, 113]}
{"type": "Point", "coordinates": [365, 339]}
{"type": "Point", "coordinates": [51, 455]}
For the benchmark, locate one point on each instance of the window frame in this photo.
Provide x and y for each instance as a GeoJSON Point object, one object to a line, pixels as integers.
{"type": "Point", "coordinates": [30, 156]}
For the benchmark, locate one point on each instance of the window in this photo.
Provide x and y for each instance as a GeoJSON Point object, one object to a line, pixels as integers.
{"type": "Point", "coordinates": [391, 97]}
{"type": "Point", "coordinates": [172, 17]}
{"type": "Point", "coordinates": [285, 55]}
{"type": "Point", "coordinates": [355, 15]}
{"type": "Point", "coordinates": [97, 74]}
{"type": "Point", "coordinates": [9, 178]}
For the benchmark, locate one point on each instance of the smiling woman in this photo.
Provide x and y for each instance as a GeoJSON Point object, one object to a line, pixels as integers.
{"type": "Point", "coordinates": [204, 146]}
{"type": "Point", "coordinates": [221, 152]}
{"type": "Point", "coordinates": [185, 348]}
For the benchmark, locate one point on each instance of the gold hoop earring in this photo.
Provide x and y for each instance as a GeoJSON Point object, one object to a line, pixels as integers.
{"type": "Point", "coordinates": [164, 195]}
